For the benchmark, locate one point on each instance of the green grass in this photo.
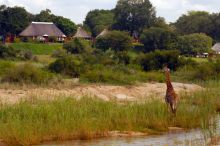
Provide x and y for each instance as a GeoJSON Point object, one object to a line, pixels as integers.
{"type": "Point", "coordinates": [37, 48]}
{"type": "Point", "coordinates": [200, 60]}
{"type": "Point", "coordinates": [66, 118]}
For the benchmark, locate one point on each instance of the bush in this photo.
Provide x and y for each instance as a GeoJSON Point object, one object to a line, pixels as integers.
{"type": "Point", "coordinates": [156, 38]}
{"type": "Point", "coordinates": [199, 71]}
{"type": "Point", "coordinates": [59, 53]}
{"type": "Point", "coordinates": [8, 52]}
{"type": "Point", "coordinates": [115, 40]}
{"type": "Point", "coordinates": [17, 40]}
{"type": "Point", "coordinates": [77, 46]}
{"type": "Point", "coordinates": [27, 55]}
{"type": "Point", "coordinates": [156, 60]}
{"type": "Point", "coordinates": [5, 65]}
{"type": "Point", "coordinates": [122, 57]}
{"type": "Point", "coordinates": [118, 74]}
{"type": "Point", "coordinates": [26, 73]}
{"type": "Point", "coordinates": [67, 65]}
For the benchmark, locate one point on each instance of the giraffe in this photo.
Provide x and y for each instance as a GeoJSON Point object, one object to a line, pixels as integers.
{"type": "Point", "coordinates": [171, 97]}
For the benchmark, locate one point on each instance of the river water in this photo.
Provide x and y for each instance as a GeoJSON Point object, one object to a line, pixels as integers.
{"type": "Point", "coordinates": [190, 138]}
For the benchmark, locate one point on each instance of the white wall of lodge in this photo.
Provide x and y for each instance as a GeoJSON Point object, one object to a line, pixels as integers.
{"type": "Point", "coordinates": [42, 38]}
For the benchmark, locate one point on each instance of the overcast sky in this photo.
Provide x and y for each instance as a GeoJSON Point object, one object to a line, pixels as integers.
{"type": "Point", "coordinates": [77, 9]}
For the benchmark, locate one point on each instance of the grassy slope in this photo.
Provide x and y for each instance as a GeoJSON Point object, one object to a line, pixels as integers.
{"type": "Point", "coordinates": [37, 49]}
{"type": "Point", "coordinates": [30, 123]}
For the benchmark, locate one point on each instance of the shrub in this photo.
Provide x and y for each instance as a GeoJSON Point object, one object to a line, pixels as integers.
{"type": "Point", "coordinates": [122, 57]}
{"type": "Point", "coordinates": [158, 39]}
{"type": "Point", "coordinates": [67, 65]}
{"type": "Point", "coordinates": [199, 71]}
{"type": "Point", "coordinates": [115, 40]}
{"type": "Point", "coordinates": [77, 46]}
{"type": "Point", "coordinates": [5, 65]}
{"type": "Point", "coordinates": [26, 73]}
{"type": "Point", "coordinates": [17, 40]}
{"type": "Point", "coordinates": [118, 74]}
{"type": "Point", "coordinates": [156, 60]}
{"type": "Point", "coordinates": [7, 52]}
{"type": "Point", "coordinates": [59, 53]}
{"type": "Point", "coordinates": [27, 55]}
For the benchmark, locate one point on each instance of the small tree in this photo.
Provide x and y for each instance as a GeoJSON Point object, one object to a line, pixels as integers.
{"type": "Point", "coordinates": [67, 65]}
{"type": "Point", "coordinates": [8, 52]}
{"type": "Point", "coordinates": [77, 46]}
{"type": "Point", "coordinates": [195, 43]}
{"type": "Point", "coordinates": [157, 38]}
{"type": "Point", "coordinates": [115, 40]}
{"type": "Point", "coordinates": [156, 60]}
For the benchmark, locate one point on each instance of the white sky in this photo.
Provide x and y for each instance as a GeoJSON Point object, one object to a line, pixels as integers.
{"type": "Point", "coordinates": [76, 10]}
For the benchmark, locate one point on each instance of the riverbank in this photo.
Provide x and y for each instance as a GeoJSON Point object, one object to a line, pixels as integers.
{"type": "Point", "coordinates": [68, 118]}
{"type": "Point", "coordinates": [14, 93]}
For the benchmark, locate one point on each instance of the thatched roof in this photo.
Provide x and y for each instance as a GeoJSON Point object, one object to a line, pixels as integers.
{"type": "Point", "coordinates": [104, 32]}
{"type": "Point", "coordinates": [42, 29]}
{"type": "Point", "coordinates": [216, 47]}
{"type": "Point", "coordinates": [82, 34]}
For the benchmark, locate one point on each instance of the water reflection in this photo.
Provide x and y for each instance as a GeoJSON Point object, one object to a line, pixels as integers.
{"type": "Point", "coordinates": [191, 138]}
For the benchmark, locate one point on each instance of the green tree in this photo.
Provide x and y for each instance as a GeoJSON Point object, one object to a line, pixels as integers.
{"type": "Point", "coordinates": [67, 65]}
{"type": "Point", "coordinates": [157, 59]}
{"type": "Point", "coordinates": [13, 20]}
{"type": "Point", "coordinates": [195, 43]}
{"type": "Point", "coordinates": [97, 20]}
{"type": "Point", "coordinates": [215, 31]}
{"type": "Point", "coordinates": [156, 38]}
{"type": "Point", "coordinates": [77, 46]}
{"type": "Point", "coordinates": [134, 15]}
{"type": "Point", "coordinates": [44, 16]}
{"type": "Point", "coordinates": [115, 40]}
{"type": "Point", "coordinates": [66, 25]}
{"type": "Point", "coordinates": [194, 22]}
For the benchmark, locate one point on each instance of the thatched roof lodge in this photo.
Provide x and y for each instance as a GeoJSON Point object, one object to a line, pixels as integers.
{"type": "Point", "coordinates": [82, 34]}
{"type": "Point", "coordinates": [43, 30]}
{"type": "Point", "coordinates": [216, 48]}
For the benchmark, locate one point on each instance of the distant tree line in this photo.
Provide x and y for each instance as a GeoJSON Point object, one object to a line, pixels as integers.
{"type": "Point", "coordinates": [13, 20]}
{"type": "Point", "coordinates": [189, 34]}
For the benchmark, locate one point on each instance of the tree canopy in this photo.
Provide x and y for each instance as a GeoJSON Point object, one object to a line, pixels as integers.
{"type": "Point", "coordinates": [199, 22]}
{"type": "Point", "coordinates": [98, 20]}
{"type": "Point", "coordinates": [195, 43]}
{"type": "Point", "coordinates": [134, 15]}
{"type": "Point", "coordinates": [64, 24]}
{"type": "Point", "coordinates": [156, 38]}
{"type": "Point", "coordinates": [13, 19]}
{"type": "Point", "coordinates": [115, 40]}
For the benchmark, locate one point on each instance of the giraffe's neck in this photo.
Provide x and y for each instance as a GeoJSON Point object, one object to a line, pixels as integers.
{"type": "Point", "coordinates": [168, 81]}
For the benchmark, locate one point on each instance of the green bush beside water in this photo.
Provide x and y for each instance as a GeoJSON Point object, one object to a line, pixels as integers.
{"type": "Point", "coordinates": [26, 73]}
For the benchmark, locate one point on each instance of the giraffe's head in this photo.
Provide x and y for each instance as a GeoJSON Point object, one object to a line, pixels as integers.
{"type": "Point", "coordinates": [166, 69]}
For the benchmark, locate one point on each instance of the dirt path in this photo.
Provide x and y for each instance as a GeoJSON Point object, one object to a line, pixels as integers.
{"type": "Point", "coordinates": [138, 92]}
